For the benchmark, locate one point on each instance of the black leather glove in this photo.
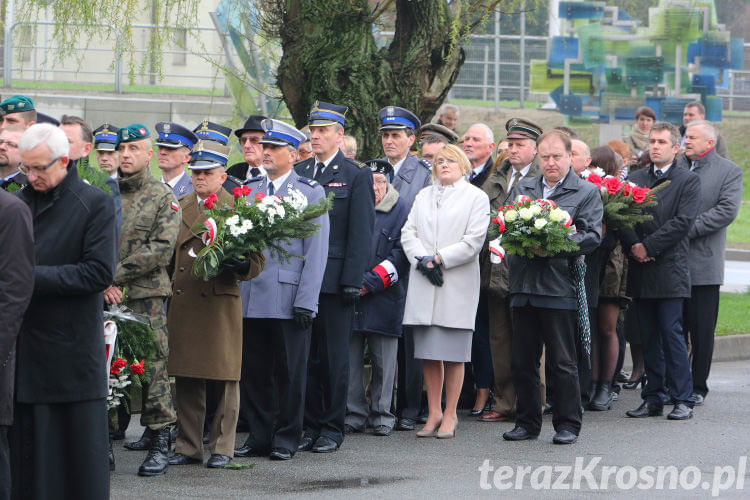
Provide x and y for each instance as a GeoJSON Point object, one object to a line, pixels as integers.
{"type": "Point", "coordinates": [236, 265]}
{"type": "Point", "coordinates": [303, 317]}
{"type": "Point", "coordinates": [434, 273]}
{"type": "Point", "coordinates": [349, 295]}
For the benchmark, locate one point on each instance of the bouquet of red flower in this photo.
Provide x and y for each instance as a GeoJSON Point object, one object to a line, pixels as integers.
{"type": "Point", "coordinates": [531, 228]}
{"type": "Point", "coordinates": [234, 232]}
{"type": "Point", "coordinates": [623, 201]}
{"type": "Point", "coordinates": [120, 378]}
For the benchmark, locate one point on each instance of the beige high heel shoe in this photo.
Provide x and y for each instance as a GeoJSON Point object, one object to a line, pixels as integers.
{"type": "Point", "coordinates": [426, 433]}
{"type": "Point", "coordinates": [447, 435]}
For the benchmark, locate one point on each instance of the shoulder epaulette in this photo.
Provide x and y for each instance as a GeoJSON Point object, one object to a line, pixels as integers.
{"type": "Point", "coordinates": [357, 163]}
{"type": "Point", "coordinates": [253, 179]}
{"type": "Point", "coordinates": [309, 182]}
{"type": "Point", "coordinates": [426, 164]}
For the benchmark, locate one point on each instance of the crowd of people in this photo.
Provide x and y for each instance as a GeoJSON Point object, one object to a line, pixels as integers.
{"type": "Point", "coordinates": [398, 277]}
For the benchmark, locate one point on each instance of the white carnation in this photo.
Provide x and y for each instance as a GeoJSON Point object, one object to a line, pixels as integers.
{"type": "Point", "coordinates": [235, 231]}
{"type": "Point", "coordinates": [540, 223]}
{"type": "Point", "coordinates": [233, 220]}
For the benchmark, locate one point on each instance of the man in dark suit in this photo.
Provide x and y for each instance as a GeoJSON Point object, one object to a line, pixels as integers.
{"type": "Point", "coordinates": [660, 275]}
{"type": "Point", "coordinates": [278, 308]}
{"type": "Point", "coordinates": [16, 285]}
{"type": "Point", "coordinates": [352, 219]}
{"type": "Point", "coordinates": [61, 379]}
{"type": "Point", "coordinates": [479, 142]}
{"type": "Point", "coordinates": [249, 137]}
{"type": "Point", "coordinates": [543, 298]}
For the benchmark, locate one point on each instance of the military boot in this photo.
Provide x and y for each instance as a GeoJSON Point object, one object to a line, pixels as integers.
{"type": "Point", "coordinates": [157, 459]}
{"type": "Point", "coordinates": [602, 399]}
{"type": "Point", "coordinates": [144, 443]}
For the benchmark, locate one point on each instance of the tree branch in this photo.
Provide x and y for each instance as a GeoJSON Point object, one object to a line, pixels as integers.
{"type": "Point", "coordinates": [379, 11]}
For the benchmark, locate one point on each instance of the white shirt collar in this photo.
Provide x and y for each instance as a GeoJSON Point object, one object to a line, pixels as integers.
{"type": "Point", "coordinates": [279, 182]}
{"type": "Point", "coordinates": [549, 190]}
{"type": "Point", "coordinates": [249, 174]}
{"type": "Point", "coordinates": [174, 181]}
{"type": "Point", "coordinates": [397, 166]}
{"type": "Point", "coordinates": [327, 161]}
{"type": "Point", "coordinates": [664, 170]}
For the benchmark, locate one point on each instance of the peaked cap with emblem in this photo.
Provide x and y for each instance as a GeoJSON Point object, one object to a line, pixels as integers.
{"type": "Point", "coordinates": [380, 166]}
{"type": "Point", "coordinates": [279, 133]}
{"type": "Point", "coordinates": [105, 137]}
{"type": "Point", "coordinates": [45, 118]}
{"type": "Point", "coordinates": [210, 131]}
{"type": "Point", "coordinates": [16, 104]}
{"type": "Point", "coordinates": [393, 117]}
{"type": "Point", "coordinates": [209, 154]}
{"type": "Point", "coordinates": [323, 114]}
{"type": "Point", "coordinates": [435, 129]}
{"type": "Point", "coordinates": [519, 128]}
{"type": "Point", "coordinates": [173, 135]}
{"type": "Point", "coordinates": [131, 133]}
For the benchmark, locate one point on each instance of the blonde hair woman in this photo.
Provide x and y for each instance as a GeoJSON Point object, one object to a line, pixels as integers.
{"type": "Point", "coordinates": [442, 238]}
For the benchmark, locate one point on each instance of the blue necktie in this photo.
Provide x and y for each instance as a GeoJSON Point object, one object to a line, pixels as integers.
{"type": "Point", "coordinates": [658, 173]}
{"type": "Point", "coordinates": [270, 188]}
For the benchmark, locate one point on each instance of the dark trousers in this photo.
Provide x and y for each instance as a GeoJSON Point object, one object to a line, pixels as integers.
{"type": "Point", "coordinates": [59, 451]}
{"type": "Point", "coordinates": [409, 380]}
{"type": "Point", "coordinates": [481, 356]}
{"type": "Point", "coordinates": [4, 463]}
{"type": "Point", "coordinates": [701, 312]}
{"type": "Point", "coordinates": [277, 349]}
{"type": "Point", "coordinates": [664, 350]}
{"type": "Point", "coordinates": [534, 327]}
{"type": "Point", "coordinates": [328, 369]}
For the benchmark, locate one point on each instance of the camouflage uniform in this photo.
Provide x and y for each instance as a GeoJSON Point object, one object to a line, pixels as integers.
{"type": "Point", "coordinates": [150, 223]}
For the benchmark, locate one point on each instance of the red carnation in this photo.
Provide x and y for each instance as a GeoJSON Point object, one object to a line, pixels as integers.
{"type": "Point", "coordinates": [639, 194]}
{"type": "Point", "coordinates": [237, 192]}
{"type": "Point", "coordinates": [612, 184]}
{"type": "Point", "coordinates": [500, 226]}
{"type": "Point", "coordinates": [137, 368]}
{"type": "Point", "coordinates": [595, 179]}
{"type": "Point", "coordinates": [626, 188]}
{"type": "Point", "coordinates": [117, 365]}
{"type": "Point", "coordinates": [208, 203]}
{"type": "Point", "coordinates": [246, 190]}
{"type": "Point", "coordinates": [259, 196]}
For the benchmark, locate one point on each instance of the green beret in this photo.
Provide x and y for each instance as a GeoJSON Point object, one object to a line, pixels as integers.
{"type": "Point", "coordinates": [16, 104]}
{"type": "Point", "coordinates": [134, 132]}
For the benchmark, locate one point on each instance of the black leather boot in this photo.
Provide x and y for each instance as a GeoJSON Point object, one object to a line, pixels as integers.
{"type": "Point", "coordinates": [144, 443]}
{"type": "Point", "coordinates": [157, 460]}
{"type": "Point", "coordinates": [602, 400]}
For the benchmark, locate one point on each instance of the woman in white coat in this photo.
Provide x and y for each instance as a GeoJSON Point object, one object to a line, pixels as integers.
{"type": "Point", "coordinates": [442, 237]}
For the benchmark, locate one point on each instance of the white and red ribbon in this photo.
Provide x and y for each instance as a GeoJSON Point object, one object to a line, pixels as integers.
{"type": "Point", "coordinates": [209, 236]}
{"type": "Point", "coordinates": [387, 273]}
{"type": "Point", "coordinates": [497, 252]}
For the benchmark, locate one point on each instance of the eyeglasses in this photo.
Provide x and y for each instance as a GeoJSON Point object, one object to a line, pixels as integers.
{"type": "Point", "coordinates": [36, 170]}
{"type": "Point", "coordinates": [251, 139]}
{"type": "Point", "coordinates": [11, 145]}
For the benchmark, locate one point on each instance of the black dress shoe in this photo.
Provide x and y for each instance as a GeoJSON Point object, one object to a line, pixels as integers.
{"type": "Point", "coordinates": [406, 424]}
{"type": "Point", "coordinates": [144, 443]}
{"type": "Point", "coordinates": [695, 398]}
{"type": "Point", "coordinates": [325, 445]}
{"type": "Point", "coordinates": [350, 429]}
{"type": "Point", "coordinates": [117, 435]}
{"type": "Point", "coordinates": [248, 451]}
{"type": "Point", "coordinates": [564, 436]}
{"type": "Point", "coordinates": [280, 454]}
{"type": "Point", "coordinates": [157, 460]}
{"type": "Point", "coordinates": [518, 434]}
{"type": "Point", "coordinates": [180, 459]}
{"type": "Point", "coordinates": [218, 461]}
{"type": "Point", "coordinates": [305, 444]}
{"type": "Point", "coordinates": [646, 410]}
{"type": "Point", "coordinates": [382, 430]}
{"type": "Point", "coordinates": [681, 411]}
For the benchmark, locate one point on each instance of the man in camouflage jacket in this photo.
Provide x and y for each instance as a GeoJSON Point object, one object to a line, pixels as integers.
{"type": "Point", "coordinates": [150, 224]}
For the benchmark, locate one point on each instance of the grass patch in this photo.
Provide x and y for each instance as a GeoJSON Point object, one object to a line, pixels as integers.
{"type": "Point", "coordinates": [490, 103]}
{"type": "Point", "coordinates": [109, 87]}
{"type": "Point", "coordinates": [733, 317]}
{"type": "Point", "coordinates": [739, 230]}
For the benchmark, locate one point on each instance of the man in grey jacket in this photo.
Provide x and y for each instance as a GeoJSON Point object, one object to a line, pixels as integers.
{"type": "Point", "coordinates": [721, 195]}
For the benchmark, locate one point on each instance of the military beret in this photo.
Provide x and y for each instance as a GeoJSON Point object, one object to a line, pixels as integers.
{"type": "Point", "coordinates": [45, 118]}
{"type": "Point", "coordinates": [437, 130]}
{"type": "Point", "coordinates": [519, 128]}
{"type": "Point", "coordinates": [393, 117]}
{"type": "Point", "coordinates": [105, 137]}
{"type": "Point", "coordinates": [279, 133]}
{"type": "Point", "coordinates": [173, 135]}
{"type": "Point", "coordinates": [323, 114]}
{"type": "Point", "coordinates": [134, 132]}
{"type": "Point", "coordinates": [16, 104]}
{"type": "Point", "coordinates": [210, 131]}
{"type": "Point", "coordinates": [208, 154]}
{"type": "Point", "coordinates": [380, 166]}
{"type": "Point", "coordinates": [252, 124]}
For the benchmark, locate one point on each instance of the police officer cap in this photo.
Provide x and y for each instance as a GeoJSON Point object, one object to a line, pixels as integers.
{"type": "Point", "coordinates": [279, 133]}
{"type": "Point", "coordinates": [105, 137]}
{"type": "Point", "coordinates": [134, 132]}
{"type": "Point", "coordinates": [16, 104]}
{"type": "Point", "coordinates": [173, 135]}
{"type": "Point", "coordinates": [393, 117]}
{"type": "Point", "coordinates": [45, 118]}
{"type": "Point", "coordinates": [323, 114]}
{"type": "Point", "coordinates": [519, 128]}
{"type": "Point", "coordinates": [208, 154]}
{"type": "Point", "coordinates": [252, 124]}
{"type": "Point", "coordinates": [380, 167]}
{"type": "Point", "coordinates": [210, 131]}
{"type": "Point", "coordinates": [441, 131]}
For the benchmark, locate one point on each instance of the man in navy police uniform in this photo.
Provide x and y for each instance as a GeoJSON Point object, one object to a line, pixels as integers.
{"type": "Point", "coordinates": [175, 143]}
{"type": "Point", "coordinates": [352, 219]}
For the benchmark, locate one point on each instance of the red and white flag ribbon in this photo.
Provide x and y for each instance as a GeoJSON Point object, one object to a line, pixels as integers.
{"type": "Point", "coordinates": [210, 235]}
{"type": "Point", "coordinates": [497, 253]}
